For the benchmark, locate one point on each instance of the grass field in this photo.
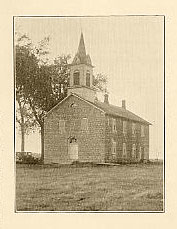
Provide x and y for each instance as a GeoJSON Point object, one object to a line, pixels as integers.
{"type": "Point", "coordinates": [100, 188]}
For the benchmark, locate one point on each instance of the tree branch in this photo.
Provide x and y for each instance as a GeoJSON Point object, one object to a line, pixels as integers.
{"type": "Point", "coordinates": [34, 112]}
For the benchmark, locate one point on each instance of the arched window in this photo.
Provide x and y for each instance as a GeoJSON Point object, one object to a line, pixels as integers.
{"type": "Point", "coordinates": [88, 79]}
{"type": "Point", "coordinates": [76, 78]}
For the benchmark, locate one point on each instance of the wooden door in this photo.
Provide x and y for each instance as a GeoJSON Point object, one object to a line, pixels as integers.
{"type": "Point", "coordinates": [73, 151]}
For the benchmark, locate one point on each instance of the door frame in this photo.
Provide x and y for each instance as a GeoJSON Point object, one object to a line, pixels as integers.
{"type": "Point", "coordinates": [72, 141]}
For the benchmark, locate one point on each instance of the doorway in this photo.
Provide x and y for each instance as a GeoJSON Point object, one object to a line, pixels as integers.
{"type": "Point", "coordinates": [73, 149]}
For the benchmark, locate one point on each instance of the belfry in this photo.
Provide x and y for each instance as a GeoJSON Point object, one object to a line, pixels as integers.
{"type": "Point", "coordinates": [81, 74]}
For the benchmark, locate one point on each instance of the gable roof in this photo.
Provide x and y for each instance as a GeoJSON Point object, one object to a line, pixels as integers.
{"type": "Point", "coordinates": [108, 109]}
{"type": "Point", "coordinates": [120, 112]}
{"type": "Point", "coordinates": [73, 94]}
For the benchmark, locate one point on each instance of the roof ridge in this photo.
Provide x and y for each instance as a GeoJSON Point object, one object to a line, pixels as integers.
{"type": "Point", "coordinates": [121, 112]}
{"type": "Point", "coordinates": [124, 112]}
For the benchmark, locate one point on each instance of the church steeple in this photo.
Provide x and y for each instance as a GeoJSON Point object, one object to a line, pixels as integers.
{"type": "Point", "coordinates": [81, 73]}
{"type": "Point", "coordinates": [81, 57]}
{"type": "Point", "coordinates": [81, 49]}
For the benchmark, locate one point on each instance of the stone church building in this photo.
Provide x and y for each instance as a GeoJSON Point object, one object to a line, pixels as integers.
{"type": "Point", "coordinates": [81, 128]}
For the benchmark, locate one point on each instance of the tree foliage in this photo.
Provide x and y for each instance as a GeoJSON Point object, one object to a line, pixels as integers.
{"type": "Point", "coordinates": [40, 83]}
{"type": "Point", "coordinates": [26, 65]}
{"type": "Point", "coordinates": [100, 82]}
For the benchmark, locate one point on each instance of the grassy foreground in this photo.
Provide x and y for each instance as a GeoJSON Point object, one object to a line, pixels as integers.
{"type": "Point", "coordinates": [101, 188]}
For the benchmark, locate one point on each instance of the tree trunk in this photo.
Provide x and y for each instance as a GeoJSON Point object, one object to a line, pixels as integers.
{"type": "Point", "coordinates": [22, 126]}
{"type": "Point", "coordinates": [22, 138]}
{"type": "Point", "coordinates": [42, 143]}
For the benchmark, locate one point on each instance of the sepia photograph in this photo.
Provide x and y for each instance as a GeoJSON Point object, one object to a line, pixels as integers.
{"type": "Point", "coordinates": [89, 113]}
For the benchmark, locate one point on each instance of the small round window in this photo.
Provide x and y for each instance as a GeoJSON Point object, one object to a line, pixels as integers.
{"type": "Point", "coordinates": [73, 105]}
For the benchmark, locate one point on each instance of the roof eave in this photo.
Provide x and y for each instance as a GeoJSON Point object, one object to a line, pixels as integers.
{"type": "Point", "coordinates": [90, 65]}
{"type": "Point", "coordinates": [116, 115]}
{"type": "Point", "coordinates": [72, 94]}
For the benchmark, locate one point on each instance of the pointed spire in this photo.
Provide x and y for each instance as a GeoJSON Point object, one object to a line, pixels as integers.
{"type": "Point", "coordinates": [81, 57]}
{"type": "Point", "coordinates": [81, 49]}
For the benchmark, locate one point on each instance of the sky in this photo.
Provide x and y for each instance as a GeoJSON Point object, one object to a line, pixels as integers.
{"type": "Point", "coordinates": [128, 49]}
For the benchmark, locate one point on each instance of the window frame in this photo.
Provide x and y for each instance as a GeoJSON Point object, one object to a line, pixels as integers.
{"type": "Point", "coordinates": [73, 105]}
{"type": "Point", "coordinates": [142, 130]}
{"type": "Point", "coordinates": [114, 149]}
{"type": "Point", "coordinates": [133, 150]}
{"type": "Point", "coordinates": [62, 127]}
{"type": "Point", "coordinates": [114, 130]}
{"type": "Point", "coordinates": [88, 75]}
{"type": "Point", "coordinates": [124, 150]}
{"type": "Point", "coordinates": [124, 127]}
{"type": "Point", "coordinates": [108, 121]}
{"type": "Point", "coordinates": [76, 79]}
{"type": "Point", "coordinates": [139, 152]}
{"type": "Point", "coordinates": [84, 127]}
{"type": "Point", "coordinates": [133, 128]}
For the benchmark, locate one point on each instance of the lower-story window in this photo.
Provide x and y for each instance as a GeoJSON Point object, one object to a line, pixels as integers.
{"type": "Point", "coordinates": [146, 153]}
{"type": "Point", "coordinates": [113, 149]}
{"type": "Point", "coordinates": [124, 151]}
{"type": "Point", "coordinates": [139, 153]}
{"type": "Point", "coordinates": [133, 151]}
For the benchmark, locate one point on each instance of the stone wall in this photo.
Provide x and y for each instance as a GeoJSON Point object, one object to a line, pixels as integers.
{"type": "Point", "coordinates": [129, 139]}
{"type": "Point", "coordinates": [91, 142]}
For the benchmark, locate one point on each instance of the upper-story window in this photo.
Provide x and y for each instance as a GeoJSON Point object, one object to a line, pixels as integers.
{"type": "Point", "coordinates": [133, 128]}
{"type": "Point", "coordinates": [88, 79]}
{"type": "Point", "coordinates": [76, 78]}
{"type": "Point", "coordinates": [61, 126]}
{"type": "Point", "coordinates": [84, 124]}
{"type": "Point", "coordinates": [108, 121]}
{"type": "Point", "coordinates": [142, 131]}
{"type": "Point", "coordinates": [114, 125]}
{"type": "Point", "coordinates": [124, 127]}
